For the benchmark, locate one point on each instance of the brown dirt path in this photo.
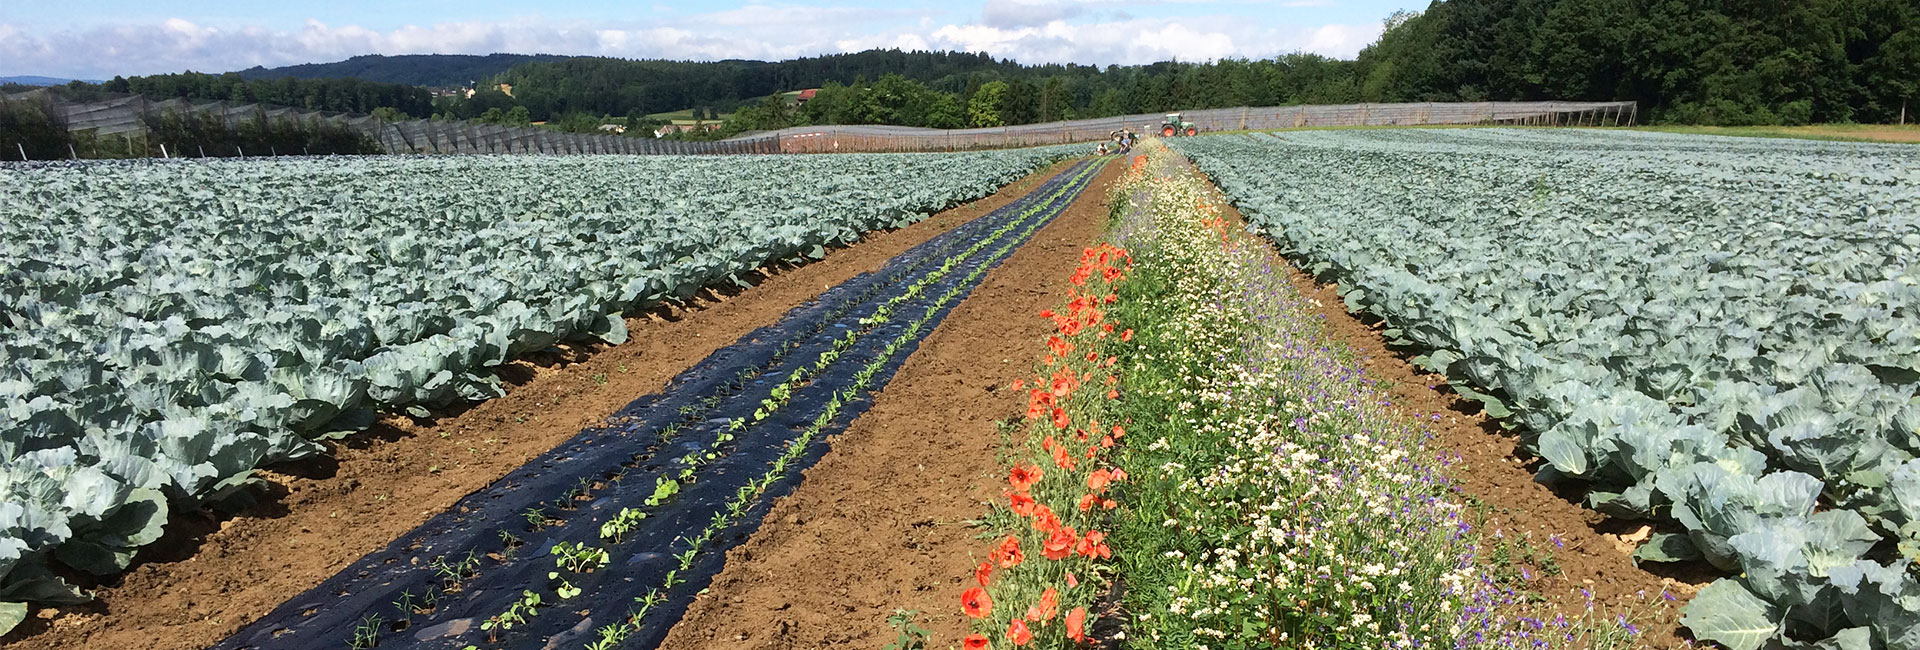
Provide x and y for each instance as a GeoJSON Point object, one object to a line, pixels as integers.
{"type": "Point", "coordinates": [211, 576]}
{"type": "Point", "coordinates": [1593, 551]}
{"type": "Point", "coordinates": [878, 523]}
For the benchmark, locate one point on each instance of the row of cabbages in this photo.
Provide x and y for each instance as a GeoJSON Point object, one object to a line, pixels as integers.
{"type": "Point", "coordinates": [167, 327]}
{"type": "Point", "coordinates": [1723, 333]}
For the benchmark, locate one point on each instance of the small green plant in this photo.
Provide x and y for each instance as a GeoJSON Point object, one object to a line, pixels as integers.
{"type": "Point", "coordinates": [566, 589]}
{"type": "Point", "coordinates": [621, 524]}
{"type": "Point", "coordinates": [611, 636]}
{"type": "Point", "coordinates": [410, 604]}
{"type": "Point", "coordinates": [663, 488]}
{"type": "Point", "coordinates": [517, 614]}
{"type": "Point", "coordinates": [536, 517]}
{"type": "Point", "coordinates": [453, 573]}
{"type": "Point", "coordinates": [367, 633]}
{"type": "Point", "coordinates": [579, 558]}
{"type": "Point", "coordinates": [600, 378]}
{"type": "Point", "coordinates": [908, 635]}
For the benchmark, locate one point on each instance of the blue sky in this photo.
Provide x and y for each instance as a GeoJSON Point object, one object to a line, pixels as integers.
{"type": "Point", "coordinates": [102, 38]}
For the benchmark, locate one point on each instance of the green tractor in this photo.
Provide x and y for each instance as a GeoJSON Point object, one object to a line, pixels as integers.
{"type": "Point", "coordinates": [1173, 125]}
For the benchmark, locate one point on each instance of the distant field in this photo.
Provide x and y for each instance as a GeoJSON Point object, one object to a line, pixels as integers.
{"type": "Point", "coordinates": [1838, 132]}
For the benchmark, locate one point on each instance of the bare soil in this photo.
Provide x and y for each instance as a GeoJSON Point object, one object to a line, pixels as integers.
{"type": "Point", "coordinates": [880, 522]}
{"type": "Point", "coordinates": [213, 574]}
{"type": "Point", "coordinates": [1592, 551]}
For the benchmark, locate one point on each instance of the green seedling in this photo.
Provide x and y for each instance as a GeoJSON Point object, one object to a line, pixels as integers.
{"type": "Point", "coordinates": [663, 488]}
{"type": "Point", "coordinates": [566, 589]}
{"type": "Point", "coordinates": [908, 635]}
{"type": "Point", "coordinates": [453, 573]}
{"type": "Point", "coordinates": [616, 528]}
{"type": "Point", "coordinates": [536, 518]}
{"type": "Point", "coordinates": [367, 633]}
{"type": "Point", "coordinates": [579, 558]}
{"type": "Point", "coordinates": [517, 614]}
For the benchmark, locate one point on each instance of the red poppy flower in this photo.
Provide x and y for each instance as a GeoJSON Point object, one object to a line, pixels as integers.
{"type": "Point", "coordinates": [1064, 382]}
{"type": "Point", "coordinates": [1021, 504]}
{"type": "Point", "coordinates": [1046, 313]}
{"type": "Point", "coordinates": [1046, 608]}
{"type": "Point", "coordinates": [1097, 481]}
{"type": "Point", "coordinates": [1077, 624]}
{"type": "Point", "coordinates": [1060, 456]}
{"type": "Point", "coordinates": [974, 642]}
{"type": "Point", "coordinates": [1108, 504]}
{"type": "Point", "coordinates": [1022, 477]}
{"type": "Point", "coordinates": [1044, 520]}
{"type": "Point", "coordinates": [1008, 554]}
{"type": "Point", "coordinates": [1086, 502]}
{"type": "Point", "coordinates": [1127, 335]}
{"type": "Point", "coordinates": [1060, 421]}
{"type": "Point", "coordinates": [983, 572]}
{"type": "Point", "coordinates": [1072, 581]}
{"type": "Point", "coordinates": [1059, 346]}
{"type": "Point", "coordinates": [975, 602]}
{"type": "Point", "coordinates": [1059, 545]}
{"type": "Point", "coordinates": [1018, 633]}
{"type": "Point", "coordinates": [1019, 384]}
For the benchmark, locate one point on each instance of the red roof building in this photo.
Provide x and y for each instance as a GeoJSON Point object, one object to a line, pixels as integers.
{"type": "Point", "coordinates": [807, 94]}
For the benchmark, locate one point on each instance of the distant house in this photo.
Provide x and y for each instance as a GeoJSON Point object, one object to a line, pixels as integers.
{"type": "Point", "coordinates": [806, 96]}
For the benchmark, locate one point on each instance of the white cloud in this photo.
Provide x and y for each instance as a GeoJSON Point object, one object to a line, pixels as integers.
{"type": "Point", "coordinates": [1146, 40]}
{"type": "Point", "coordinates": [1030, 31]}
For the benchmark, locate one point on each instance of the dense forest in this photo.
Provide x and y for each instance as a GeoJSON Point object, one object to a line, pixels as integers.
{"type": "Point", "coordinates": [1687, 61]}
{"type": "Point", "coordinates": [337, 95]}
{"type": "Point", "coordinates": [1692, 61]}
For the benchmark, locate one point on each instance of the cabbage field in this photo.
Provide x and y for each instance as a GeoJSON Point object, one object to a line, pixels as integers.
{"type": "Point", "coordinates": [1719, 335]}
{"type": "Point", "coordinates": [168, 327]}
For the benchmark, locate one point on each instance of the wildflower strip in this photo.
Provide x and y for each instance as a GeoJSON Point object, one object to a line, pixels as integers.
{"type": "Point", "coordinates": [1277, 499]}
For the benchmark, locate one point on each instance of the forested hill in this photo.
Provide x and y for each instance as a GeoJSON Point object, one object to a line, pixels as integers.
{"type": "Point", "coordinates": [622, 87]}
{"type": "Point", "coordinates": [431, 70]}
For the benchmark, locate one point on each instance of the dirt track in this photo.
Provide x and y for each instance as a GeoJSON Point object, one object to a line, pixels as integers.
{"type": "Point", "coordinates": [211, 576]}
{"type": "Point", "coordinates": [878, 523]}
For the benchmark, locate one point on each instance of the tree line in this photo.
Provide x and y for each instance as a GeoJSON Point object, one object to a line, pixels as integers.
{"type": "Point", "coordinates": [339, 95]}
{"type": "Point", "coordinates": [1730, 62]}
